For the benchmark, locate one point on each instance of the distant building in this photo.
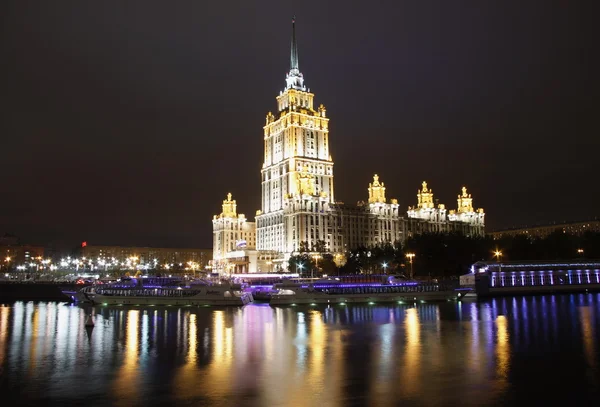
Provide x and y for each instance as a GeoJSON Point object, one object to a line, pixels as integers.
{"type": "Point", "coordinates": [148, 255]}
{"type": "Point", "coordinates": [573, 228]}
{"type": "Point", "coordinates": [13, 253]}
{"type": "Point", "coordinates": [16, 255]}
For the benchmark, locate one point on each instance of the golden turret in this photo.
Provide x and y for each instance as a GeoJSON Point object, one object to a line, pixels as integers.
{"type": "Point", "coordinates": [465, 202]}
{"type": "Point", "coordinates": [425, 197]}
{"type": "Point", "coordinates": [376, 191]}
{"type": "Point", "coordinates": [322, 110]}
{"type": "Point", "coordinates": [229, 208]}
{"type": "Point", "coordinates": [270, 118]}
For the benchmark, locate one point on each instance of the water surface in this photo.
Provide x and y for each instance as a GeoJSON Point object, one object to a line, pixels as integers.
{"type": "Point", "coordinates": [521, 350]}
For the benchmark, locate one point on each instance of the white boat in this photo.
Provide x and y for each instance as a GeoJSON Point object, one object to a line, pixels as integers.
{"type": "Point", "coordinates": [147, 292]}
{"type": "Point", "coordinates": [335, 292]}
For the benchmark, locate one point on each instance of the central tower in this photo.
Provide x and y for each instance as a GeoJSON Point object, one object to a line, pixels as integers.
{"type": "Point", "coordinates": [297, 164]}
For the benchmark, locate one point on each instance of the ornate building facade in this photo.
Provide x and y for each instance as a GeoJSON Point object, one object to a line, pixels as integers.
{"type": "Point", "coordinates": [234, 240]}
{"type": "Point", "coordinates": [298, 206]}
{"type": "Point", "coordinates": [426, 217]}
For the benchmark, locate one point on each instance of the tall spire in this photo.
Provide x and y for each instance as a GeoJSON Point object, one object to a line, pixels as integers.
{"type": "Point", "coordinates": [294, 48]}
{"type": "Point", "coordinates": [294, 79]}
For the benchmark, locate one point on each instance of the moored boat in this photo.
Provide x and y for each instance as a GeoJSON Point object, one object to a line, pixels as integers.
{"type": "Point", "coordinates": [335, 292]}
{"type": "Point", "coordinates": [141, 291]}
{"type": "Point", "coordinates": [262, 293]}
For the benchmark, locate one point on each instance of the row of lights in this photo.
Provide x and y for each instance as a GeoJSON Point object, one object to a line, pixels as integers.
{"type": "Point", "coordinates": [101, 262]}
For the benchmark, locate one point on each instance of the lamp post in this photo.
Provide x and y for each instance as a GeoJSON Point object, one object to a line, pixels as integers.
{"type": "Point", "coordinates": [299, 266]}
{"type": "Point", "coordinates": [194, 266]}
{"type": "Point", "coordinates": [411, 256]}
{"type": "Point", "coordinates": [384, 265]}
{"type": "Point", "coordinates": [580, 252]}
{"type": "Point", "coordinates": [498, 255]}
{"type": "Point", "coordinates": [316, 257]}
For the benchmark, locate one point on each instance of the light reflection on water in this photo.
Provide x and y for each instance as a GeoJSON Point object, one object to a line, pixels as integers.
{"type": "Point", "coordinates": [374, 355]}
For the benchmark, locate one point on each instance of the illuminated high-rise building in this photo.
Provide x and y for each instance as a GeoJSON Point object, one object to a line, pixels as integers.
{"type": "Point", "coordinates": [297, 172]}
{"type": "Point", "coordinates": [298, 210]}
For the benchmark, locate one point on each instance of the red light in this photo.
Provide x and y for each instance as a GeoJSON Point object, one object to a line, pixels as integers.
{"type": "Point", "coordinates": [83, 244]}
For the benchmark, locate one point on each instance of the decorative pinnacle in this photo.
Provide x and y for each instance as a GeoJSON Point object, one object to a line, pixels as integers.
{"type": "Point", "coordinates": [294, 48]}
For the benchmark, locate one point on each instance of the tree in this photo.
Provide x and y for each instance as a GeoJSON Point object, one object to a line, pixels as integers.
{"type": "Point", "coordinates": [303, 247]}
{"type": "Point", "coordinates": [340, 261]}
{"type": "Point", "coordinates": [301, 263]}
{"type": "Point", "coordinates": [319, 246]}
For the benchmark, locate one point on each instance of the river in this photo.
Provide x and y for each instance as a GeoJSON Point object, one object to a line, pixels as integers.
{"type": "Point", "coordinates": [506, 351]}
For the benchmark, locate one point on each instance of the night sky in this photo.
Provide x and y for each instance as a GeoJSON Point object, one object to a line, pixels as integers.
{"type": "Point", "coordinates": [128, 122]}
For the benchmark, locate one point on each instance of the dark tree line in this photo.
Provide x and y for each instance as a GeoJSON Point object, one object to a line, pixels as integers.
{"type": "Point", "coordinates": [444, 254]}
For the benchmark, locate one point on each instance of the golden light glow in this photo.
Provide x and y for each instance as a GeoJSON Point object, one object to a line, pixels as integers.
{"type": "Point", "coordinates": [220, 371]}
{"type": "Point", "coordinates": [412, 354]}
{"type": "Point", "coordinates": [502, 352]}
{"type": "Point", "coordinates": [185, 380]}
{"type": "Point", "coordinates": [34, 339]}
{"type": "Point", "coordinates": [125, 384]}
{"type": "Point", "coordinates": [4, 314]}
{"type": "Point", "coordinates": [475, 352]}
{"type": "Point", "coordinates": [318, 341]}
{"type": "Point", "coordinates": [321, 351]}
{"type": "Point", "coordinates": [586, 317]}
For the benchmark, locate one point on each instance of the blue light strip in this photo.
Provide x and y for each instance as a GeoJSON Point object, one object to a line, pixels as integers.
{"type": "Point", "coordinates": [504, 265]}
{"type": "Point", "coordinates": [358, 285]}
{"type": "Point", "coordinates": [543, 271]}
{"type": "Point", "coordinates": [136, 287]}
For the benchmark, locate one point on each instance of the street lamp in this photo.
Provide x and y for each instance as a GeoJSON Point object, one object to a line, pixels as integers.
{"type": "Point", "coordinates": [384, 265]}
{"type": "Point", "coordinates": [270, 269]}
{"type": "Point", "coordinates": [316, 257]}
{"type": "Point", "coordinates": [299, 266]}
{"type": "Point", "coordinates": [580, 252]}
{"type": "Point", "coordinates": [411, 256]}
{"type": "Point", "coordinates": [498, 255]}
{"type": "Point", "coordinates": [193, 265]}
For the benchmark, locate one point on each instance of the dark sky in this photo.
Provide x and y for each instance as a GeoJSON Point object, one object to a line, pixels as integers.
{"type": "Point", "coordinates": [128, 122]}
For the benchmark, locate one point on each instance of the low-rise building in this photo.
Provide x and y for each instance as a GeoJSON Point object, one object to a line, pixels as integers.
{"type": "Point", "coordinates": [541, 231]}
{"type": "Point", "coordinates": [152, 256]}
{"type": "Point", "coordinates": [20, 254]}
